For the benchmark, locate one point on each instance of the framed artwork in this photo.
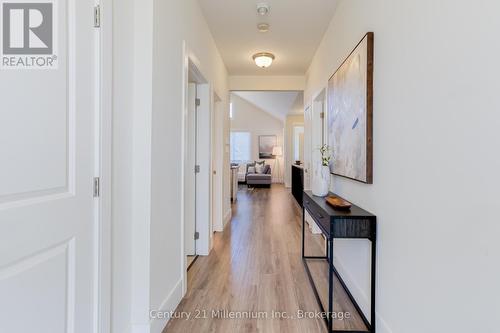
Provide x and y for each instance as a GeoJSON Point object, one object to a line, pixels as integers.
{"type": "Point", "coordinates": [350, 114]}
{"type": "Point", "coordinates": [266, 145]}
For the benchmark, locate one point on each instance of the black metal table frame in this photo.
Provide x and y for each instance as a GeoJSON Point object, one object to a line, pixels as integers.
{"type": "Point", "coordinates": [329, 234]}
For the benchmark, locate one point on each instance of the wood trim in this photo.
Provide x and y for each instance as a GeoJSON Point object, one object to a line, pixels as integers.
{"type": "Point", "coordinates": [369, 109]}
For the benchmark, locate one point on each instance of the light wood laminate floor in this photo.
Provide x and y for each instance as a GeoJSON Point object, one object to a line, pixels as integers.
{"type": "Point", "coordinates": [255, 271]}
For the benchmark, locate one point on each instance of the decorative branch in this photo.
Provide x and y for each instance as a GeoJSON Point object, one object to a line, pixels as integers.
{"type": "Point", "coordinates": [325, 155]}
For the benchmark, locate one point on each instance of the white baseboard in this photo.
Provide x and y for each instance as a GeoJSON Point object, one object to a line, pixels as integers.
{"type": "Point", "coordinates": [218, 228]}
{"type": "Point", "coordinates": [170, 303]}
{"type": "Point", "coordinates": [227, 216]}
{"type": "Point", "coordinates": [364, 302]}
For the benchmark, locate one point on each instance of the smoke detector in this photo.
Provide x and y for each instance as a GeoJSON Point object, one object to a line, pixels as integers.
{"type": "Point", "coordinates": [262, 9]}
{"type": "Point", "coordinates": [263, 27]}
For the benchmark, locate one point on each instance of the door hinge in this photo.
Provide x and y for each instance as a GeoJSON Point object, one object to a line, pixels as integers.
{"type": "Point", "coordinates": [196, 169]}
{"type": "Point", "coordinates": [322, 115]}
{"type": "Point", "coordinates": [97, 187]}
{"type": "Point", "coordinates": [198, 102]}
{"type": "Point", "coordinates": [196, 235]}
{"type": "Point", "coordinates": [97, 16]}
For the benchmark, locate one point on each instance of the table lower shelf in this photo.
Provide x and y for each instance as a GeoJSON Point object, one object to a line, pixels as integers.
{"type": "Point", "coordinates": [318, 271]}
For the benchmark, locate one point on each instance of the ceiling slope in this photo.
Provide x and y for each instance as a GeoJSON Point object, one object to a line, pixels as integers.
{"type": "Point", "coordinates": [278, 104]}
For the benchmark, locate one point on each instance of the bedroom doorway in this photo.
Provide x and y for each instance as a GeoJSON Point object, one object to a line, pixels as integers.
{"type": "Point", "coordinates": [197, 166]}
{"type": "Point", "coordinates": [190, 179]}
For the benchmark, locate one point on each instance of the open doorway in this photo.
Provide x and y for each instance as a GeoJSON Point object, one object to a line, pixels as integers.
{"type": "Point", "coordinates": [262, 137]}
{"type": "Point", "coordinates": [190, 233]}
{"type": "Point", "coordinates": [197, 166]}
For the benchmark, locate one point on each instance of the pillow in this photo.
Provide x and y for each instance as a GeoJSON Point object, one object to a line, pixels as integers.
{"type": "Point", "coordinates": [250, 165]}
{"type": "Point", "coordinates": [259, 168]}
{"type": "Point", "coordinates": [251, 169]}
{"type": "Point", "coordinates": [267, 169]}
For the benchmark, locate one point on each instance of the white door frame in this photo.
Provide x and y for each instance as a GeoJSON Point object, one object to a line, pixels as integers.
{"type": "Point", "coordinates": [217, 163]}
{"type": "Point", "coordinates": [104, 87]}
{"type": "Point", "coordinates": [189, 160]}
{"type": "Point", "coordinates": [319, 106]}
{"type": "Point", "coordinates": [205, 93]}
{"type": "Point", "coordinates": [307, 147]}
{"type": "Point", "coordinates": [314, 134]}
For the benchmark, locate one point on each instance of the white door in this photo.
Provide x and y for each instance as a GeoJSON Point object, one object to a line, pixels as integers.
{"type": "Point", "coordinates": [47, 156]}
{"type": "Point", "coordinates": [190, 176]}
{"type": "Point", "coordinates": [203, 157]}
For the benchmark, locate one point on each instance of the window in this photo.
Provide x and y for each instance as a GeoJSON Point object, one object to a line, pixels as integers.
{"type": "Point", "coordinates": [240, 146]}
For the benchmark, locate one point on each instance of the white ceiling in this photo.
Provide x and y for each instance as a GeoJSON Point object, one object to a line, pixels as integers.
{"type": "Point", "coordinates": [279, 104]}
{"type": "Point", "coordinates": [297, 27]}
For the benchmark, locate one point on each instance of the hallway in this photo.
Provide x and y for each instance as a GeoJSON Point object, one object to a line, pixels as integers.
{"type": "Point", "coordinates": [255, 268]}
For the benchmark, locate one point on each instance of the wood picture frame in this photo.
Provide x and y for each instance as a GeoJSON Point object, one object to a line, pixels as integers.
{"type": "Point", "coordinates": [266, 145]}
{"type": "Point", "coordinates": [350, 114]}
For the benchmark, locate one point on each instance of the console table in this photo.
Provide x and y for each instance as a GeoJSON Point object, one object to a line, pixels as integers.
{"type": "Point", "coordinates": [355, 223]}
{"type": "Point", "coordinates": [297, 182]}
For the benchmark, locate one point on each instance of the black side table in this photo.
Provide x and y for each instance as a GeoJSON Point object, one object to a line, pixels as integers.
{"type": "Point", "coordinates": [355, 224]}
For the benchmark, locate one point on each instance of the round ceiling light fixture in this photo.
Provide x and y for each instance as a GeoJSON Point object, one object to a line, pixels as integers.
{"type": "Point", "coordinates": [263, 27]}
{"type": "Point", "coordinates": [263, 59]}
{"type": "Point", "coordinates": [263, 9]}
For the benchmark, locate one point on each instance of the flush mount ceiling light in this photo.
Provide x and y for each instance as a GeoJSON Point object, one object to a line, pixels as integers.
{"type": "Point", "coordinates": [263, 9]}
{"type": "Point", "coordinates": [263, 59]}
{"type": "Point", "coordinates": [263, 27]}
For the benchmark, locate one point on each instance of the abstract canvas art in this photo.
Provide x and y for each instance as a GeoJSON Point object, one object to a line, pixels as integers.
{"type": "Point", "coordinates": [266, 145]}
{"type": "Point", "coordinates": [350, 114]}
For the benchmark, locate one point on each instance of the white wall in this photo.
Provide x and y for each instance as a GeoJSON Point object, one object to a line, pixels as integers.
{"type": "Point", "coordinates": [436, 158]}
{"type": "Point", "coordinates": [249, 118]}
{"type": "Point", "coordinates": [174, 22]}
{"type": "Point", "coordinates": [148, 94]}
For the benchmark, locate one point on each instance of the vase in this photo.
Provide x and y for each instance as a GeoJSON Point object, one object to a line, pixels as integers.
{"type": "Point", "coordinates": [321, 180]}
